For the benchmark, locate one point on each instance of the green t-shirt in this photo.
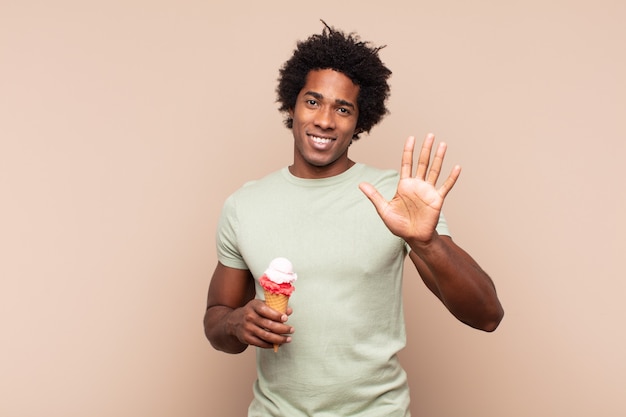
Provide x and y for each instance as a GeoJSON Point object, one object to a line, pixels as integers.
{"type": "Point", "coordinates": [347, 306]}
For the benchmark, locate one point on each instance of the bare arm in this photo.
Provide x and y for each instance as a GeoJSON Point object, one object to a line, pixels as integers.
{"type": "Point", "coordinates": [450, 273]}
{"type": "Point", "coordinates": [459, 282]}
{"type": "Point", "coordinates": [234, 319]}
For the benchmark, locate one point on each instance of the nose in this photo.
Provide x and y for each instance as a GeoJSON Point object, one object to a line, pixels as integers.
{"type": "Point", "coordinates": [325, 118]}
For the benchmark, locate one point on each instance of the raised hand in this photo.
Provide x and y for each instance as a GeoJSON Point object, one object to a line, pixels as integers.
{"type": "Point", "coordinates": [414, 211]}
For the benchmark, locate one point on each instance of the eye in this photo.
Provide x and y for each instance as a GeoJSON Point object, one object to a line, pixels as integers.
{"type": "Point", "coordinates": [311, 102]}
{"type": "Point", "coordinates": [343, 110]}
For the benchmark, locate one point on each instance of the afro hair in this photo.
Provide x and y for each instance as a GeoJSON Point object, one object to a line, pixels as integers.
{"type": "Point", "coordinates": [345, 53]}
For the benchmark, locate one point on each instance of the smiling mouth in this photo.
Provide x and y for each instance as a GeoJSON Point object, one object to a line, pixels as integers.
{"type": "Point", "coordinates": [321, 141]}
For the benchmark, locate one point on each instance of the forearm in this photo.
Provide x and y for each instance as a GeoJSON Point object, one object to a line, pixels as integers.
{"type": "Point", "coordinates": [459, 282]}
{"type": "Point", "coordinates": [220, 331]}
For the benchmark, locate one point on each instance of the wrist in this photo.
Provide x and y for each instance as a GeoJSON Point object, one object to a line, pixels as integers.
{"type": "Point", "coordinates": [425, 246]}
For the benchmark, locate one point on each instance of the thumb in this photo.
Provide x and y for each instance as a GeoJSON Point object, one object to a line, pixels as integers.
{"type": "Point", "coordinates": [374, 196]}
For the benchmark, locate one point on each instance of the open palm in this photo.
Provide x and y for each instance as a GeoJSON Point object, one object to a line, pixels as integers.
{"type": "Point", "coordinates": [413, 212]}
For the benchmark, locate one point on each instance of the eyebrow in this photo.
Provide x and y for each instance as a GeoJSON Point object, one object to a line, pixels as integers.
{"type": "Point", "coordinates": [338, 101]}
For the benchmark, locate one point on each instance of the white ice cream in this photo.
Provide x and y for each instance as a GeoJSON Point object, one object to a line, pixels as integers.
{"type": "Point", "coordinates": [280, 271]}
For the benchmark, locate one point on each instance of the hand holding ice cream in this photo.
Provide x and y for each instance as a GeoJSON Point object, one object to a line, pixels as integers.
{"type": "Point", "coordinates": [277, 283]}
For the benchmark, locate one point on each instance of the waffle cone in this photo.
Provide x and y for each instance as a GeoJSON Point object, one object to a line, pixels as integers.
{"type": "Point", "coordinates": [279, 303]}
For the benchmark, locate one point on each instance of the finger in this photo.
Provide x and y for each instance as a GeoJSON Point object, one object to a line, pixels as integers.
{"type": "Point", "coordinates": [406, 167]}
{"type": "Point", "coordinates": [450, 181]}
{"type": "Point", "coordinates": [267, 340]}
{"type": "Point", "coordinates": [269, 319]}
{"type": "Point", "coordinates": [374, 196]}
{"type": "Point", "coordinates": [435, 166]}
{"type": "Point", "coordinates": [274, 343]}
{"type": "Point", "coordinates": [276, 315]}
{"type": "Point", "coordinates": [424, 158]}
{"type": "Point", "coordinates": [266, 329]}
{"type": "Point", "coordinates": [254, 334]}
{"type": "Point", "coordinates": [268, 312]}
{"type": "Point", "coordinates": [274, 334]}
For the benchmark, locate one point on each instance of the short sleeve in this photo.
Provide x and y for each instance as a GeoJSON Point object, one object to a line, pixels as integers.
{"type": "Point", "coordinates": [226, 236]}
{"type": "Point", "coordinates": [442, 226]}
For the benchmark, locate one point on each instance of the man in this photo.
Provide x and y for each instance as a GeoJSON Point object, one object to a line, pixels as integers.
{"type": "Point", "coordinates": [341, 335]}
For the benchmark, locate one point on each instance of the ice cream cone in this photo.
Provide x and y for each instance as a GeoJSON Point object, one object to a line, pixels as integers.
{"type": "Point", "coordinates": [277, 283]}
{"type": "Point", "coordinates": [279, 303]}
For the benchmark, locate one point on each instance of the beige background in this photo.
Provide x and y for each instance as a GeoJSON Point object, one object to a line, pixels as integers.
{"type": "Point", "coordinates": [125, 124]}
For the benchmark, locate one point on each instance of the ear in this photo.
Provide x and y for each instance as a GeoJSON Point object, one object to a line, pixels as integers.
{"type": "Point", "coordinates": [290, 111]}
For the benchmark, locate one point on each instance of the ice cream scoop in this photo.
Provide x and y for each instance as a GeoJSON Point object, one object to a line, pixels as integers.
{"type": "Point", "coordinates": [280, 271]}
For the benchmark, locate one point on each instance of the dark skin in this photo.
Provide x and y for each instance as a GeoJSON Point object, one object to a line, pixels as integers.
{"type": "Point", "coordinates": [325, 118]}
{"type": "Point", "coordinates": [446, 269]}
{"type": "Point", "coordinates": [235, 319]}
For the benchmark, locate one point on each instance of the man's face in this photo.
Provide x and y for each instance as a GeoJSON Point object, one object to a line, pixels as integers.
{"type": "Point", "coordinates": [324, 120]}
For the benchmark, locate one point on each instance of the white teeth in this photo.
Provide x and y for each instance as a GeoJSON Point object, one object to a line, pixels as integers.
{"type": "Point", "coordinates": [320, 140]}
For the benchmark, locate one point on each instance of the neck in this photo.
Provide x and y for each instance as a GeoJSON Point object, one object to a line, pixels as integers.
{"type": "Point", "coordinates": [315, 172]}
